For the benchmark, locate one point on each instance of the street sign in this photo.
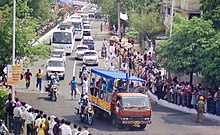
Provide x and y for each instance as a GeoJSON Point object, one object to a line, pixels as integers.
{"type": "Point", "coordinates": [13, 74]}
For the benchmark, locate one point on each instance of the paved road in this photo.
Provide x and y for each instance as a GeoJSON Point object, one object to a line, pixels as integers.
{"type": "Point", "coordinates": [165, 120]}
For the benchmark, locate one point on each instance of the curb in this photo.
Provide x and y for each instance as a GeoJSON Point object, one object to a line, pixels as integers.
{"type": "Point", "coordinates": [180, 108]}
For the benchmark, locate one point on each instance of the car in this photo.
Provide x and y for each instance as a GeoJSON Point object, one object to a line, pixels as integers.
{"type": "Point", "coordinates": [80, 49]}
{"type": "Point", "coordinates": [85, 22]}
{"type": "Point", "coordinates": [85, 17]}
{"type": "Point", "coordinates": [89, 41]}
{"type": "Point", "coordinates": [98, 15]}
{"type": "Point", "coordinates": [55, 65]}
{"type": "Point", "coordinates": [86, 30]}
{"type": "Point", "coordinates": [91, 57]}
{"type": "Point", "coordinates": [58, 53]}
{"type": "Point", "coordinates": [91, 13]}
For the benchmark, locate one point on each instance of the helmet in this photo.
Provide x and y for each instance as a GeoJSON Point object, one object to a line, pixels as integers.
{"type": "Point", "coordinates": [201, 98]}
{"type": "Point", "coordinates": [84, 65]}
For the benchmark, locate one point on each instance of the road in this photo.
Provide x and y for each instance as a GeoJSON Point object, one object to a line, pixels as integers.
{"type": "Point", "coordinates": [165, 121]}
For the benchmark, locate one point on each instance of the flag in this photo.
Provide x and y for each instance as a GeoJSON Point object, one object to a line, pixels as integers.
{"type": "Point", "coordinates": [124, 16]}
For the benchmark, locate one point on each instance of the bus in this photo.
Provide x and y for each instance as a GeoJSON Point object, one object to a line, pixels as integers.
{"type": "Point", "coordinates": [78, 25]}
{"type": "Point", "coordinates": [64, 37]}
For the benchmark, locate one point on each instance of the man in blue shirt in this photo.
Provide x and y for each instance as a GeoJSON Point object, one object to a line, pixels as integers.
{"type": "Point", "coordinates": [73, 85]}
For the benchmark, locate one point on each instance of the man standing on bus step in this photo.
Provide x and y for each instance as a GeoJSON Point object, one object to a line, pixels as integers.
{"type": "Point", "coordinates": [39, 76]}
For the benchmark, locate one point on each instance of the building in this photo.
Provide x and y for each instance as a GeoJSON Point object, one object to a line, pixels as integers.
{"type": "Point", "coordinates": [186, 8]}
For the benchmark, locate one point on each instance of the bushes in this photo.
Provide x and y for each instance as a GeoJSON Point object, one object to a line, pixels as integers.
{"type": "Point", "coordinates": [3, 97]}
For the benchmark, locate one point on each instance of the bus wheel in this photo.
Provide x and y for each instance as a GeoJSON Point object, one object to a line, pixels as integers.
{"type": "Point", "coordinates": [143, 126]}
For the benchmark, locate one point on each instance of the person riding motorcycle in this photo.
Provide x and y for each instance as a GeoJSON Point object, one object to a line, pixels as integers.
{"type": "Point", "coordinates": [52, 82]}
{"type": "Point", "coordinates": [85, 104]}
{"type": "Point", "coordinates": [56, 77]}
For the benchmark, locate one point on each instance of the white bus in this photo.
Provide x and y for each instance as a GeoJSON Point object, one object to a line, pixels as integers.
{"type": "Point", "coordinates": [78, 25]}
{"type": "Point", "coordinates": [64, 38]}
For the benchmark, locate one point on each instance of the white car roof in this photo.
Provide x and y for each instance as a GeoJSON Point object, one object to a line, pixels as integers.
{"type": "Point", "coordinates": [55, 59]}
{"type": "Point", "coordinates": [88, 37]}
{"type": "Point", "coordinates": [86, 25]}
{"type": "Point", "coordinates": [58, 50]}
{"type": "Point", "coordinates": [91, 51]}
{"type": "Point", "coordinates": [82, 46]}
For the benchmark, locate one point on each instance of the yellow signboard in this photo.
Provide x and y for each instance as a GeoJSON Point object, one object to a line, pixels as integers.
{"type": "Point", "coordinates": [13, 74]}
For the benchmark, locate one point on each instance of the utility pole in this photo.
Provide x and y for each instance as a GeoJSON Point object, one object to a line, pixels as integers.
{"type": "Point", "coordinates": [13, 48]}
{"type": "Point", "coordinates": [119, 21]}
{"type": "Point", "coordinates": [171, 29]}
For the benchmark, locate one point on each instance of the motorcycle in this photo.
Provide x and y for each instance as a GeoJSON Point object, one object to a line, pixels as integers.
{"type": "Point", "coordinates": [86, 114]}
{"type": "Point", "coordinates": [52, 91]}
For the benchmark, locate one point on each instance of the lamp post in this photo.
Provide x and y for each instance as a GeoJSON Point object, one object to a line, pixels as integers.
{"type": "Point", "coordinates": [13, 48]}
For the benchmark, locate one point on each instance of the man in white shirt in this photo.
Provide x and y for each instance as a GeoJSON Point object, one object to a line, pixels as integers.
{"type": "Point", "coordinates": [17, 118]}
{"type": "Point", "coordinates": [111, 57]}
{"type": "Point", "coordinates": [65, 128]}
{"type": "Point", "coordinates": [85, 86]}
{"type": "Point", "coordinates": [78, 132]}
{"type": "Point", "coordinates": [112, 67]}
{"type": "Point", "coordinates": [74, 130]}
{"type": "Point", "coordinates": [29, 118]}
{"type": "Point", "coordinates": [85, 132]}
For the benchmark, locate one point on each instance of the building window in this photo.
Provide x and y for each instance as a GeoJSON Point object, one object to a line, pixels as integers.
{"type": "Point", "coordinates": [191, 15]}
{"type": "Point", "coordinates": [168, 11]}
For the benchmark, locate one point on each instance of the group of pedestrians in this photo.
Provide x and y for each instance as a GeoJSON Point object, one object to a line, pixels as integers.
{"type": "Point", "coordinates": [21, 117]}
{"type": "Point", "coordinates": [174, 91]}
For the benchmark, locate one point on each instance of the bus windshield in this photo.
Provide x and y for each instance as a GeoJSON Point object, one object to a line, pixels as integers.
{"type": "Point", "coordinates": [62, 37]}
{"type": "Point", "coordinates": [78, 25]}
{"type": "Point", "coordinates": [135, 102]}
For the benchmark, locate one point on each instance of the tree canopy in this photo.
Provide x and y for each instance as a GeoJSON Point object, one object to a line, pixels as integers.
{"type": "Point", "coordinates": [26, 25]}
{"type": "Point", "coordinates": [192, 49]}
{"type": "Point", "coordinates": [211, 10]}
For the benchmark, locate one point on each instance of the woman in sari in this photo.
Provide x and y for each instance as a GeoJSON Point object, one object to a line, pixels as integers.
{"type": "Point", "coordinates": [41, 127]}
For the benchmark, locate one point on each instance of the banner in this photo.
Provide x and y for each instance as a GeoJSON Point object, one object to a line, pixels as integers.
{"type": "Point", "coordinates": [13, 74]}
{"type": "Point", "coordinates": [123, 16]}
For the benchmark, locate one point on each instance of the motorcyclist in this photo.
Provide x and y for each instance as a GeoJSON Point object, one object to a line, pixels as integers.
{"type": "Point", "coordinates": [85, 104]}
{"type": "Point", "coordinates": [52, 82]}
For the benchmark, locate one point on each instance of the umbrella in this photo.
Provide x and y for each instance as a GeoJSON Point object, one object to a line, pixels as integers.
{"type": "Point", "coordinates": [128, 45]}
{"type": "Point", "coordinates": [114, 38]}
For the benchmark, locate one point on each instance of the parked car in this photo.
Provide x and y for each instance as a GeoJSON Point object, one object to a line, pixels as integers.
{"type": "Point", "coordinates": [86, 30]}
{"type": "Point", "coordinates": [91, 13]}
{"type": "Point", "coordinates": [55, 65]}
{"type": "Point", "coordinates": [91, 57]}
{"type": "Point", "coordinates": [80, 49]}
{"type": "Point", "coordinates": [89, 41]}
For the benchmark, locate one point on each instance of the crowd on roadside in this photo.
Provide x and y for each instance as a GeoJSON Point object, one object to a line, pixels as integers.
{"type": "Point", "coordinates": [174, 91]}
{"type": "Point", "coordinates": [22, 118]}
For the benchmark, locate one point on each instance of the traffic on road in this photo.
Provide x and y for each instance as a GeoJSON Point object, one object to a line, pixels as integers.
{"type": "Point", "coordinates": [82, 84]}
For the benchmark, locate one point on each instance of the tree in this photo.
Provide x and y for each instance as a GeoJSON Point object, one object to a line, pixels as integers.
{"type": "Point", "coordinates": [211, 10]}
{"type": "Point", "coordinates": [41, 9]}
{"type": "Point", "coordinates": [25, 32]}
{"type": "Point", "coordinates": [181, 53]}
{"type": "Point", "coordinates": [147, 24]}
{"type": "Point", "coordinates": [210, 59]}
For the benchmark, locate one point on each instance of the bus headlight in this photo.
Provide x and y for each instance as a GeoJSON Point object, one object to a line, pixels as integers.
{"type": "Point", "coordinates": [125, 118]}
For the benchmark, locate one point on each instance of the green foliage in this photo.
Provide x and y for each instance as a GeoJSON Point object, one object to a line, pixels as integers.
{"type": "Point", "coordinates": [3, 97]}
{"type": "Point", "coordinates": [147, 24]}
{"type": "Point", "coordinates": [182, 52]}
{"type": "Point", "coordinates": [41, 9]}
{"type": "Point", "coordinates": [132, 34]}
{"type": "Point", "coordinates": [210, 59]}
{"type": "Point", "coordinates": [211, 11]}
{"type": "Point", "coordinates": [62, 13]}
{"type": "Point", "coordinates": [25, 32]}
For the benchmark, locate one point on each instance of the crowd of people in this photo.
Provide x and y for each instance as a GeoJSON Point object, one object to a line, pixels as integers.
{"type": "Point", "coordinates": [174, 91]}
{"type": "Point", "coordinates": [21, 117]}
